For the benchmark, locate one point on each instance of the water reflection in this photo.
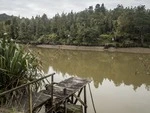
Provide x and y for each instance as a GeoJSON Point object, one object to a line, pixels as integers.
{"type": "Point", "coordinates": [121, 68]}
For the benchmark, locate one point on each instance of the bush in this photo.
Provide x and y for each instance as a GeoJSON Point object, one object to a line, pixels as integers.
{"type": "Point", "coordinates": [17, 66]}
{"type": "Point", "coordinates": [105, 38]}
{"type": "Point", "coordinates": [48, 39]}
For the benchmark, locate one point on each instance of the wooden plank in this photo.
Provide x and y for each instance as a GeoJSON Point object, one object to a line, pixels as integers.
{"type": "Point", "coordinates": [74, 83]}
{"type": "Point", "coordinates": [79, 99]}
{"type": "Point", "coordinates": [71, 108]}
{"type": "Point", "coordinates": [69, 86]}
{"type": "Point", "coordinates": [38, 99]}
{"type": "Point", "coordinates": [78, 95]}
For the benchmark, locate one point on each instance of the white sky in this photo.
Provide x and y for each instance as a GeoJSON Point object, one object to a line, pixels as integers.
{"type": "Point", "coordinates": [29, 8]}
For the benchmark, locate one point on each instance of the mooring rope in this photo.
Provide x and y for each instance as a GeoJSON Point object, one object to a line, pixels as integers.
{"type": "Point", "coordinates": [92, 98]}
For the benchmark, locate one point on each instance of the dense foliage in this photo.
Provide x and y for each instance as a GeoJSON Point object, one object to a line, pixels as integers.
{"type": "Point", "coordinates": [93, 26]}
{"type": "Point", "coordinates": [17, 65]}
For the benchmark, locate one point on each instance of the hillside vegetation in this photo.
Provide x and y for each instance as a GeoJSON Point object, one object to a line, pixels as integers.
{"type": "Point", "coordinates": [94, 26]}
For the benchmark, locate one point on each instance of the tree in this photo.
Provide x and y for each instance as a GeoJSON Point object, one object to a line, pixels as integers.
{"type": "Point", "coordinates": [125, 23]}
{"type": "Point", "coordinates": [14, 27]}
{"type": "Point", "coordinates": [22, 30]}
{"type": "Point", "coordinates": [103, 9]}
{"type": "Point", "coordinates": [142, 22]}
{"type": "Point", "coordinates": [1, 29]}
{"type": "Point", "coordinates": [84, 27]}
{"type": "Point", "coordinates": [97, 8]}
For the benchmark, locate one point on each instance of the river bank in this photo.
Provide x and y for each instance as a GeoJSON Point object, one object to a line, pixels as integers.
{"type": "Point", "coordinates": [97, 48]}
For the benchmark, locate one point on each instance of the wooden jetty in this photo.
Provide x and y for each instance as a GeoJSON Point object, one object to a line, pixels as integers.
{"type": "Point", "coordinates": [66, 90]}
{"type": "Point", "coordinates": [57, 97]}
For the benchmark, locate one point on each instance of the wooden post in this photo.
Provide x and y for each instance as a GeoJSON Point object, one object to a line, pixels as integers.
{"type": "Point", "coordinates": [85, 101]}
{"type": "Point", "coordinates": [72, 99]}
{"type": "Point", "coordinates": [79, 99]}
{"type": "Point", "coordinates": [30, 98]}
{"type": "Point", "coordinates": [65, 106]}
{"type": "Point", "coordinates": [78, 95]}
{"type": "Point", "coordinates": [65, 91]}
{"type": "Point", "coordinates": [52, 80]}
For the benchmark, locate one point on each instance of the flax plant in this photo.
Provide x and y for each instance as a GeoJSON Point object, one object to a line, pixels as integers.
{"type": "Point", "coordinates": [17, 65]}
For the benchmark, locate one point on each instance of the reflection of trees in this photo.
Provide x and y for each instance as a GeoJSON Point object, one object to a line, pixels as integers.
{"type": "Point", "coordinates": [130, 69]}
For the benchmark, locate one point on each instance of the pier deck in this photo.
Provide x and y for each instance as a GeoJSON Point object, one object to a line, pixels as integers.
{"type": "Point", "coordinates": [64, 92]}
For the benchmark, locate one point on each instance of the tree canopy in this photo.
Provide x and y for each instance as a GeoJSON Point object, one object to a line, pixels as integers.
{"type": "Point", "coordinates": [94, 26]}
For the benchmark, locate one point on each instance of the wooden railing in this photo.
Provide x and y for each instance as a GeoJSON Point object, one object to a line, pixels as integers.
{"type": "Point", "coordinates": [28, 85]}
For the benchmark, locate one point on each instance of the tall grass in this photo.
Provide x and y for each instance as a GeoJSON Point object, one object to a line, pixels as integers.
{"type": "Point", "coordinates": [17, 66]}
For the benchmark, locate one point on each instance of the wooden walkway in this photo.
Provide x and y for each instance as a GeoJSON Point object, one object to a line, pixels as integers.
{"type": "Point", "coordinates": [59, 94]}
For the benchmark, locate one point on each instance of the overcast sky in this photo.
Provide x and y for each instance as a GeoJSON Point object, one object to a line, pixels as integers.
{"type": "Point", "coordinates": [29, 8]}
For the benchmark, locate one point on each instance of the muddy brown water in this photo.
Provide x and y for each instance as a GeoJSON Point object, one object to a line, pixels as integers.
{"type": "Point", "coordinates": [120, 81]}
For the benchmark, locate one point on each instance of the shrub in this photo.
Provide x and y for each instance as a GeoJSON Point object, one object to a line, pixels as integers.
{"type": "Point", "coordinates": [17, 66]}
{"type": "Point", "coordinates": [105, 38]}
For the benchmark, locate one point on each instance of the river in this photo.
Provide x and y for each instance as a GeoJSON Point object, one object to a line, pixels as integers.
{"type": "Point", "coordinates": [120, 81]}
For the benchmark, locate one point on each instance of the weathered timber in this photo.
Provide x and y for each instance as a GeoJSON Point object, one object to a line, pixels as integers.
{"type": "Point", "coordinates": [71, 108]}
{"type": "Point", "coordinates": [22, 100]}
{"type": "Point", "coordinates": [85, 100]}
{"type": "Point", "coordinates": [38, 100]}
{"type": "Point", "coordinates": [66, 89]}
{"type": "Point", "coordinates": [55, 96]}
